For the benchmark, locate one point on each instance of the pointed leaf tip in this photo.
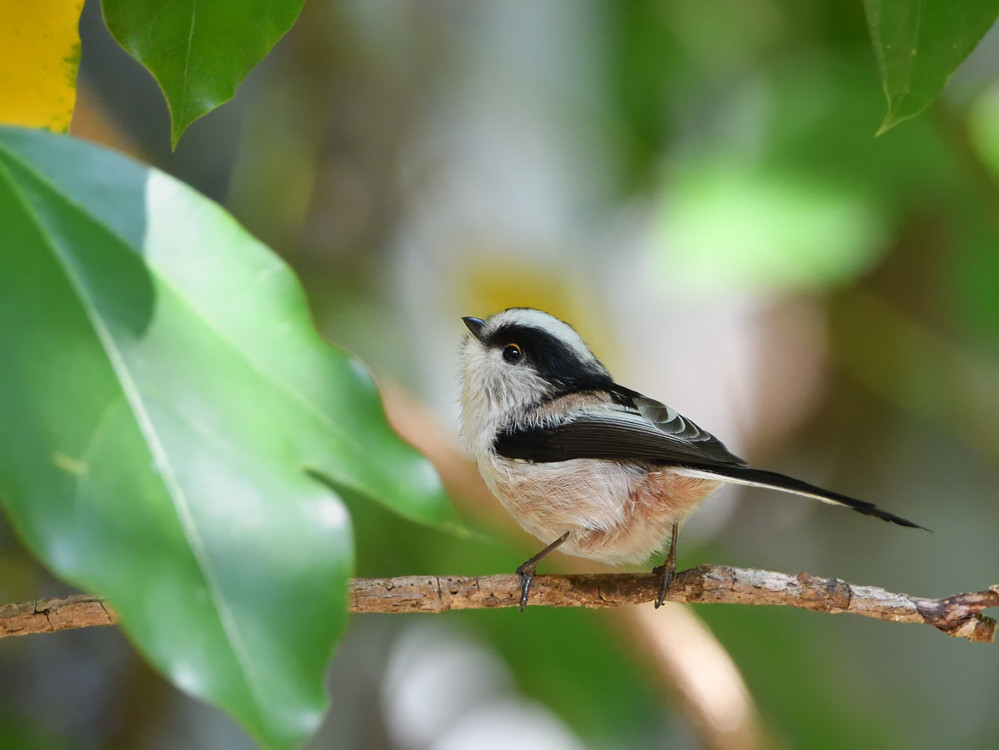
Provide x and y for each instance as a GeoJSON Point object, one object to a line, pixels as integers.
{"type": "Point", "coordinates": [918, 44]}
{"type": "Point", "coordinates": [198, 52]}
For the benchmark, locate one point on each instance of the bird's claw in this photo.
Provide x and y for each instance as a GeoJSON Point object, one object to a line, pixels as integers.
{"type": "Point", "coordinates": [526, 571]}
{"type": "Point", "coordinates": [668, 568]}
{"type": "Point", "coordinates": [666, 574]}
{"type": "Point", "coordinates": [526, 574]}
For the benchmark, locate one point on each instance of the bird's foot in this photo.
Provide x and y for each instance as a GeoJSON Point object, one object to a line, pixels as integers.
{"type": "Point", "coordinates": [526, 573]}
{"type": "Point", "coordinates": [668, 568]}
{"type": "Point", "coordinates": [666, 573]}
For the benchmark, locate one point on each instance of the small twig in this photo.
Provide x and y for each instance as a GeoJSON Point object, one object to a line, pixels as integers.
{"type": "Point", "coordinates": [958, 616]}
{"type": "Point", "coordinates": [50, 615]}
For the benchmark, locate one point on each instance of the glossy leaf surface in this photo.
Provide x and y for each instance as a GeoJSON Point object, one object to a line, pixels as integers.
{"type": "Point", "coordinates": [164, 402]}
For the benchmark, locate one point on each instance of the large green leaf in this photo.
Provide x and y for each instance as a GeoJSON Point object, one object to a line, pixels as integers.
{"type": "Point", "coordinates": [164, 404]}
{"type": "Point", "coordinates": [199, 51]}
{"type": "Point", "coordinates": [919, 44]}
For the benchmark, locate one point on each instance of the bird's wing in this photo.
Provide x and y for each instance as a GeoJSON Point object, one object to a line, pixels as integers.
{"type": "Point", "coordinates": [639, 429]}
{"type": "Point", "coordinates": [633, 428]}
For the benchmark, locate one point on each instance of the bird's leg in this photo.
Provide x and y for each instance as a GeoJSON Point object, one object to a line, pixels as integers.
{"type": "Point", "coordinates": [667, 569]}
{"type": "Point", "coordinates": [526, 571]}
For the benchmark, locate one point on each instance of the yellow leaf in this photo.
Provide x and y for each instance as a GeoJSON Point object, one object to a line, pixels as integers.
{"type": "Point", "coordinates": [39, 57]}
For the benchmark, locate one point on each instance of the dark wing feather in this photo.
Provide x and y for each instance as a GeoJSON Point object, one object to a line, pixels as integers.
{"type": "Point", "coordinates": [635, 429]}
{"type": "Point", "coordinates": [641, 430]}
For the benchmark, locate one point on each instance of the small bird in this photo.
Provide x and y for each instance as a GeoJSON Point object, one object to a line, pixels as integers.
{"type": "Point", "coordinates": [587, 466]}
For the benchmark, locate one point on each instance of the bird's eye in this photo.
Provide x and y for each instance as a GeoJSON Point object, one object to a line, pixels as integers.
{"type": "Point", "coordinates": [512, 353]}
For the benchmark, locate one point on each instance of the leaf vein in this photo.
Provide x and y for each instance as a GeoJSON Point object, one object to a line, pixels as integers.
{"type": "Point", "coordinates": [147, 426]}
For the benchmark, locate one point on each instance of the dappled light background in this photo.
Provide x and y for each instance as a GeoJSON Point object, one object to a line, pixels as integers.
{"type": "Point", "coordinates": [698, 189]}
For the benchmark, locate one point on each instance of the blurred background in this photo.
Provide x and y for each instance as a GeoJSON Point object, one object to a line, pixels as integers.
{"type": "Point", "coordinates": [698, 189]}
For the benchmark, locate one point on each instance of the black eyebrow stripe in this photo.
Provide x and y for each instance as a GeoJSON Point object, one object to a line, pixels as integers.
{"type": "Point", "coordinates": [520, 332]}
{"type": "Point", "coordinates": [551, 357]}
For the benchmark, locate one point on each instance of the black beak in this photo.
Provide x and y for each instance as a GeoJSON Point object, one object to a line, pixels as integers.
{"type": "Point", "coordinates": [475, 326]}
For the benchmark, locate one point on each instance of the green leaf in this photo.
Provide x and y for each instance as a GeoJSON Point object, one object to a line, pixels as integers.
{"type": "Point", "coordinates": [919, 44]}
{"type": "Point", "coordinates": [198, 51]}
{"type": "Point", "coordinates": [163, 405]}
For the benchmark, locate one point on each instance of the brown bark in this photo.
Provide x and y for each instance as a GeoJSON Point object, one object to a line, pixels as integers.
{"type": "Point", "coordinates": [958, 616]}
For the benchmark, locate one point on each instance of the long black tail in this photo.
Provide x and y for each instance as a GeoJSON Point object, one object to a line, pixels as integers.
{"type": "Point", "coordinates": [775, 481]}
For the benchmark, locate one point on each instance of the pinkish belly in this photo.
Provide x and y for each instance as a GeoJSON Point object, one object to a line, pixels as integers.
{"type": "Point", "coordinates": [616, 513]}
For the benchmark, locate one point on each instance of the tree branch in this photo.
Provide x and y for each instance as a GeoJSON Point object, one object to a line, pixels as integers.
{"type": "Point", "coordinates": [958, 616]}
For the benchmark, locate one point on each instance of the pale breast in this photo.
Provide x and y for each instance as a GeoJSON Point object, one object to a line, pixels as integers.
{"type": "Point", "coordinates": [616, 512]}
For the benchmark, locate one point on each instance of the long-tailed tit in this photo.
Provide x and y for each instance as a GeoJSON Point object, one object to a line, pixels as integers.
{"type": "Point", "coordinates": [587, 466]}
